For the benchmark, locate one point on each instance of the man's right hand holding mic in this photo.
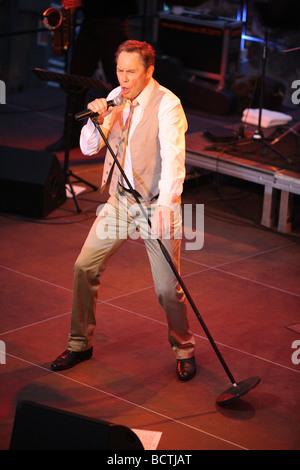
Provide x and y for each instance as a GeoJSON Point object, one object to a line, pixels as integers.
{"type": "Point", "coordinates": [99, 106]}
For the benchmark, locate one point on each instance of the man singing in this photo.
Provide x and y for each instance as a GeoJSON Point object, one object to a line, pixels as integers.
{"type": "Point", "coordinates": [147, 133]}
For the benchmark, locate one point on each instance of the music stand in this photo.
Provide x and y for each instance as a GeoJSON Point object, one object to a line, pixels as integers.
{"type": "Point", "coordinates": [71, 84]}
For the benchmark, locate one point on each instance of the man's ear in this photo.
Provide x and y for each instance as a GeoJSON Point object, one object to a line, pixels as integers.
{"type": "Point", "coordinates": [150, 71]}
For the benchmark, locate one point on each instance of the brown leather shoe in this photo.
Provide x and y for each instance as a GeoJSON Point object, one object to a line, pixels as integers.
{"type": "Point", "coordinates": [186, 368]}
{"type": "Point", "coordinates": [69, 359]}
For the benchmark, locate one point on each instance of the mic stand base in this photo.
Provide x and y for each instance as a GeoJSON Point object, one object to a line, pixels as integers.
{"type": "Point", "coordinates": [257, 137]}
{"type": "Point", "coordinates": [237, 390]}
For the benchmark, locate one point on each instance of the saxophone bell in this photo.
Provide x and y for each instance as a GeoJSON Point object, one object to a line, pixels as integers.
{"type": "Point", "coordinates": [61, 24]}
{"type": "Point", "coordinates": [52, 18]}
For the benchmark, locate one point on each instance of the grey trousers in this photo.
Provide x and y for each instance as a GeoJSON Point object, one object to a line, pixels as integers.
{"type": "Point", "coordinates": [118, 220]}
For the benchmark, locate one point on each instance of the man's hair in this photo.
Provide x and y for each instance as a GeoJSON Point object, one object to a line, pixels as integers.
{"type": "Point", "coordinates": [145, 50]}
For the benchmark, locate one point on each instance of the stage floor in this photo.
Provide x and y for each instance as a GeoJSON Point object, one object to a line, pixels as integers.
{"type": "Point", "coordinates": [244, 281]}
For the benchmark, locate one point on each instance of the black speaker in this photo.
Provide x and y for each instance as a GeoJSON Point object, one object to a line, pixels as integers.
{"type": "Point", "coordinates": [209, 97]}
{"type": "Point", "coordinates": [204, 43]}
{"type": "Point", "coordinates": [32, 182]}
{"type": "Point", "coordinates": [39, 427]}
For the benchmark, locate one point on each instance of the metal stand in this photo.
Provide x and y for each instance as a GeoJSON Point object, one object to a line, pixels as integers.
{"type": "Point", "coordinates": [291, 130]}
{"type": "Point", "coordinates": [258, 133]}
{"type": "Point", "coordinates": [71, 84]}
{"type": "Point", "coordinates": [238, 389]}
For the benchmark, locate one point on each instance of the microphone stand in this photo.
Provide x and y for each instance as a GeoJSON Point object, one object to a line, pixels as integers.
{"type": "Point", "coordinates": [237, 389]}
{"type": "Point", "coordinates": [71, 84]}
{"type": "Point", "coordinates": [258, 135]}
{"type": "Point", "coordinates": [66, 168]}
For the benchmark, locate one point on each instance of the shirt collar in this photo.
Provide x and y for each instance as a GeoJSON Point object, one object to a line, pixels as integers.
{"type": "Point", "coordinates": [145, 95]}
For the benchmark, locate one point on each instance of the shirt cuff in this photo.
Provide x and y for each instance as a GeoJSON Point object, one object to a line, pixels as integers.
{"type": "Point", "coordinates": [166, 200]}
{"type": "Point", "coordinates": [89, 139]}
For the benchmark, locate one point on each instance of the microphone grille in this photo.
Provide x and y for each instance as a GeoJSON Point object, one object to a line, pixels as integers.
{"type": "Point", "coordinates": [118, 100]}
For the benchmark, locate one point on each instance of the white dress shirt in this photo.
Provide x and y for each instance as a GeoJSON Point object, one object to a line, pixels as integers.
{"type": "Point", "coordinates": [172, 128]}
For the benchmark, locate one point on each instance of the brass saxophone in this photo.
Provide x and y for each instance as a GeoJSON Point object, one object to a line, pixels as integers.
{"type": "Point", "coordinates": [59, 21]}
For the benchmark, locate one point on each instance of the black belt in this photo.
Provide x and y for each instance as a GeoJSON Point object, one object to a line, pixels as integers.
{"type": "Point", "coordinates": [131, 191]}
{"type": "Point", "coordinates": [134, 192]}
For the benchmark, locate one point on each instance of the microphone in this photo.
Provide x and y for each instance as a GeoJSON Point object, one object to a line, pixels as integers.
{"type": "Point", "coordinates": [117, 101]}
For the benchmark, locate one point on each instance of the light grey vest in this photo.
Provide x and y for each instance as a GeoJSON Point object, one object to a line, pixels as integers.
{"type": "Point", "coordinates": [144, 149]}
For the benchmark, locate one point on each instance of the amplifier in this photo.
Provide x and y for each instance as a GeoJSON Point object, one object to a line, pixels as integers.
{"type": "Point", "coordinates": [208, 47]}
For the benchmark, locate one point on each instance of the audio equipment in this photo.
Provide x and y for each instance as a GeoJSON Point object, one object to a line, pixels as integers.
{"type": "Point", "coordinates": [208, 47]}
{"type": "Point", "coordinates": [32, 182]}
{"type": "Point", "coordinates": [40, 427]}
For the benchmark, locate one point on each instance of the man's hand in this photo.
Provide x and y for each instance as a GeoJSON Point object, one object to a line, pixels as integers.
{"type": "Point", "coordinates": [162, 222]}
{"type": "Point", "coordinates": [99, 106]}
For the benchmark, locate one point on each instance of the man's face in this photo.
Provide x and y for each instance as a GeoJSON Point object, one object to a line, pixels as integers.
{"type": "Point", "coordinates": [131, 73]}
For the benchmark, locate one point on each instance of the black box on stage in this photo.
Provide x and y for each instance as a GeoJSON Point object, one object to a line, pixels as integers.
{"type": "Point", "coordinates": [39, 427]}
{"type": "Point", "coordinates": [208, 47]}
{"type": "Point", "coordinates": [197, 92]}
{"type": "Point", "coordinates": [32, 182]}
